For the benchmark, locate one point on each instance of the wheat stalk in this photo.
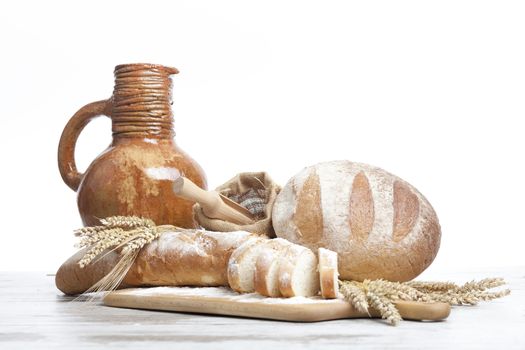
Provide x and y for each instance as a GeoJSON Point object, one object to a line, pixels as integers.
{"type": "Point", "coordinates": [128, 234]}
{"type": "Point", "coordinates": [353, 292]}
{"type": "Point", "coordinates": [377, 296]}
{"type": "Point", "coordinates": [482, 285]}
{"type": "Point", "coordinates": [467, 297]}
{"type": "Point", "coordinates": [381, 294]}
{"type": "Point", "coordinates": [86, 231]}
{"type": "Point", "coordinates": [469, 293]}
{"type": "Point", "coordinates": [400, 291]}
{"type": "Point", "coordinates": [431, 285]}
{"type": "Point", "coordinates": [127, 221]}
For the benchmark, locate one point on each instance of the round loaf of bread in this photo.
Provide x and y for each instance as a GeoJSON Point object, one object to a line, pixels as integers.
{"type": "Point", "coordinates": [380, 225]}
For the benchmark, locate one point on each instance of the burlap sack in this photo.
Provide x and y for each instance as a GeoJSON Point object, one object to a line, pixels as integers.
{"type": "Point", "coordinates": [254, 191]}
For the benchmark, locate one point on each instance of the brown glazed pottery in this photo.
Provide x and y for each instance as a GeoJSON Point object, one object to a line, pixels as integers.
{"type": "Point", "coordinates": [135, 174]}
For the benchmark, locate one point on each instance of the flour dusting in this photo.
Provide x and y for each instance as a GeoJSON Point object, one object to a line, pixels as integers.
{"type": "Point", "coordinates": [222, 293]}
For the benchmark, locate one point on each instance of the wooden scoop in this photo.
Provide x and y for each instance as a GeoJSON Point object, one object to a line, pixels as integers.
{"type": "Point", "coordinates": [214, 205]}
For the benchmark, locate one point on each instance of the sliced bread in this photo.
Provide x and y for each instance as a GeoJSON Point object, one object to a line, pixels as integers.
{"type": "Point", "coordinates": [298, 275]}
{"type": "Point", "coordinates": [241, 266]}
{"type": "Point", "coordinates": [328, 273]}
{"type": "Point", "coordinates": [266, 279]}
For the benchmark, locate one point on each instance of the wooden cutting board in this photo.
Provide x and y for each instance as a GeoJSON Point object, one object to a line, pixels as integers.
{"type": "Point", "coordinates": [223, 301]}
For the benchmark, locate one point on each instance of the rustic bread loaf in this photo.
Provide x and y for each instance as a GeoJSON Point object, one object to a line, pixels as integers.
{"type": "Point", "coordinates": [181, 258]}
{"type": "Point", "coordinates": [266, 278]}
{"type": "Point", "coordinates": [298, 275]}
{"type": "Point", "coordinates": [380, 226]}
{"type": "Point", "coordinates": [328, 273]}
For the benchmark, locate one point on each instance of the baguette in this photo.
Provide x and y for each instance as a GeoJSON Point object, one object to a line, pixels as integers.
{"type": "Point", "coordinates": [203, 258]}
{"type": "Point", "coordinates": [179, 258]}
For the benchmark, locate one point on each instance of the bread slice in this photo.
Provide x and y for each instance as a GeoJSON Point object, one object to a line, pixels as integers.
{"type": "Point", "coordinates": [241, 266]}
{"type": "Point", "coordinates": [328, 273]}
{"type": "Point", "coordinates": [266, 278]}
{"type": "Point", "coordinates": [298, 275]}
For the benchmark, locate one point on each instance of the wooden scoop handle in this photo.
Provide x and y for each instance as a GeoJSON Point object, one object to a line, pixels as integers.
{"type": "Point", "coordinates": [186, 189]}
{"type": "Point", "coordinates": [213, 204]}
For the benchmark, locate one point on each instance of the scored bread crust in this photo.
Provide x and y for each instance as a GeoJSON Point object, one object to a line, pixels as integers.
{"type": "Point", "coordinates": [267, 265]}
{"type": "Point", "coordinates": [380, 225]}
{"type": "Point", "coordinates": [178, 258]}
{"type": "Point", "coordinates": [288, 266]}
{"type": "Point", "coordinates": [237, 258]}
{"type": "Point", "coordinates": [328, 273]}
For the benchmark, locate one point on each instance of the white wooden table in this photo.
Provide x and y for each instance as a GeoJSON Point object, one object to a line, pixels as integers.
{"type": "Point", "coordinates": [34, 315]}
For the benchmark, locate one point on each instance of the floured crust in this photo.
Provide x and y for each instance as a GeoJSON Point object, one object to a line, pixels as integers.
{"type": "Point", "coordinates": [187, 258]}
{"type": "Point", "coordinates": [380, 226]}
{"type": "Point", "coordinates": [328, 273]}
{"type": "Point", "coordinates": [190, 257]}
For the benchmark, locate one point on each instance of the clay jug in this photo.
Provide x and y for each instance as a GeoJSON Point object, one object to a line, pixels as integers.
{"type": "Point", "coordinates": [135, 174]}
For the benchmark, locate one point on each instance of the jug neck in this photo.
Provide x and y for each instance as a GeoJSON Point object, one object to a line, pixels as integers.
{"type": "Point", "coordinates": [142, 102]}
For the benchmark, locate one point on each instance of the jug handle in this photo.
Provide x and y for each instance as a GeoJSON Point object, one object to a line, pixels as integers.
{"type": "Point", "coordinates": [68, 140]}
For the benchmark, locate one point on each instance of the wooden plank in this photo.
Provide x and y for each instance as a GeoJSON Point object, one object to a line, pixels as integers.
{"type": "Point", "coordinates": [223, 301]}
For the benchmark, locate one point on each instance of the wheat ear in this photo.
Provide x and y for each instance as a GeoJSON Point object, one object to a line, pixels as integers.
{"type": "Point", "coordinates": [126, 234]}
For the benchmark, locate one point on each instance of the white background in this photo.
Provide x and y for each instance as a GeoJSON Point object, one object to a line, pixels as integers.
{"type": "Point", "coordinates": [430, 91]}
